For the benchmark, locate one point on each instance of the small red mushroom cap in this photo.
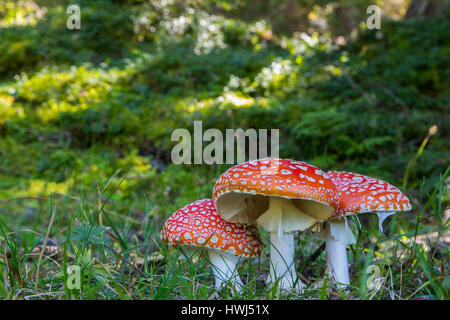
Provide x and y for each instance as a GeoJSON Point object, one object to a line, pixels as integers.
{"type": "Point", "coordinates": [359, 194]}
{"type": "Point", "coordinates": [199, 224]}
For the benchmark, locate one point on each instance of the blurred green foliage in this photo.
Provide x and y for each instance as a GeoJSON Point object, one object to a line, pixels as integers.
{"type": "Point", "coordinates": [78, 108]}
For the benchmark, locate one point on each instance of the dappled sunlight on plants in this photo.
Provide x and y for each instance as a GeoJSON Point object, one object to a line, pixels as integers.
{"type": "Point", "coordinates": [20, 13]}
{"type": "Point", "coordinates": [86, 119]}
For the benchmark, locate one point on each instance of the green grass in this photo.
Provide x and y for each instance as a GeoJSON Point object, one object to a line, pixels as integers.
{"type": "Point", "coordinates": [122, 256]}
{"type": "Point", "coordinates": [85, 125]}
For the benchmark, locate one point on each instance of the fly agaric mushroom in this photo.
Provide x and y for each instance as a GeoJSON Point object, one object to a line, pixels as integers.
{"type": "Point", "coordinates": [358, 194]}
{"type": "Point", "coordinates": [199, 225]}
{"type": "Point", "coordinates": [282, 196]}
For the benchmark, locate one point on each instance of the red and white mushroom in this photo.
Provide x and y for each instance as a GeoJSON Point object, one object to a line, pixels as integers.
{"type": "Point", "coordinates": [282, 196]}
{"type": "Point", "coordinates": [199, 225]}
{"type": "Point", "coordinates": [358, 194]}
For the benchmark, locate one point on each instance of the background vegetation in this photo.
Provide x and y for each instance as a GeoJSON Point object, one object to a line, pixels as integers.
{"type": "Point", "coordinates": [86, 118]}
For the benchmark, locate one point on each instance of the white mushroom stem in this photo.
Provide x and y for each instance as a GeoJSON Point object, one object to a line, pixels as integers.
{"type": "Point", "coordinates": [224, 266]}
{"type": "Point", "coordinates": [337, 261]}
{"type": "Point", "coordinates": [281, 219]}
{"type": "Point", "coordinates": [282, 266]}
{"type": "Point", "coordinates": [338, 235]}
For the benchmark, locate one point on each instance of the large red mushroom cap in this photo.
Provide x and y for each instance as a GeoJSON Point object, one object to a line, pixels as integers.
{"type": "Point", "coordinates": [241, 194]}
{"type": "Point", "coordinates": [360, 194]}
{"type": "Point", "coordinates": [198, 224]}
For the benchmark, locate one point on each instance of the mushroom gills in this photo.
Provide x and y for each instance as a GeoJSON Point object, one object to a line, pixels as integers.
{"type": "Point", "coordinates": [315, 209]}
{"type": "Point", "coordinates": [247, 208]}
{"type": "Point", "coordinates": [283, 216]}
{"type": "Point", "coordinates": [242, 207]}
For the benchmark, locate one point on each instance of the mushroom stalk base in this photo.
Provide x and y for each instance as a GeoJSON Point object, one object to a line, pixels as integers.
{"type": "Point", "coordinates": [337, 264]}
{"type": "Point", "coordinates": [224, 266]}
{"type": "Point", "coordinates": [282, 266]}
